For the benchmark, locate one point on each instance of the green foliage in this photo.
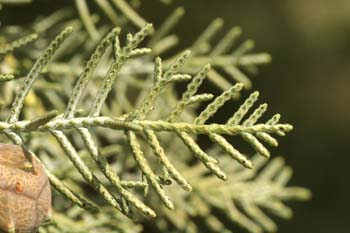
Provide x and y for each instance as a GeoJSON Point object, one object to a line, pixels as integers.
{"type": "Point", "coordinates": [126, 132]}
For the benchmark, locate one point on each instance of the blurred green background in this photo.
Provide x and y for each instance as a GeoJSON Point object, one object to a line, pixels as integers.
{"type": "Point", "coordinates": [308, 82]}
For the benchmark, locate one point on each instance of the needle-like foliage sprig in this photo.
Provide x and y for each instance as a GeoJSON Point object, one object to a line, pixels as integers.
{"type": "Point", "coordinates": [115, 127]}
{"type": "Point", "coordinates": [135, 124]}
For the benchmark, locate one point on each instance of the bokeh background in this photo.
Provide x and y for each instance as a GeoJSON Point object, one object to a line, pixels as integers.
{"type": "Point", "coordinates": [308, 82]}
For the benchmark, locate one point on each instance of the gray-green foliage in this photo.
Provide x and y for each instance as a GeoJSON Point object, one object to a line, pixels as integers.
{"type": "Point", "coordinates": [122, 142]}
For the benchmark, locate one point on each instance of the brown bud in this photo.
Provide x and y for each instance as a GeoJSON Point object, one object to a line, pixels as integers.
{"type": "Point", "coordinates": [25, 194]}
